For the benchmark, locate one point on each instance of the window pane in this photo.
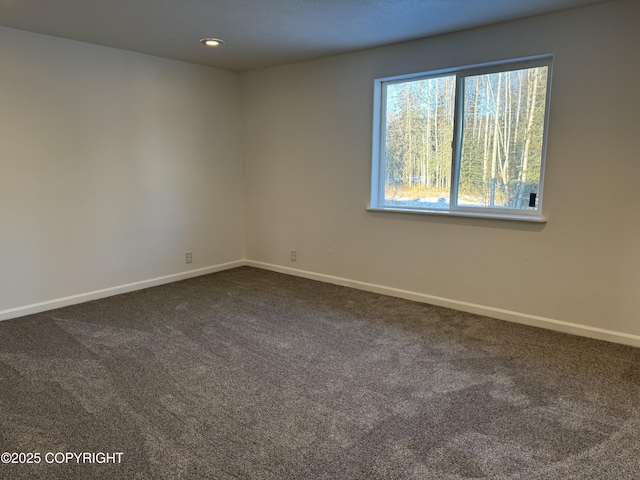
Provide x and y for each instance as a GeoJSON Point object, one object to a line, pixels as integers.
{"type": "Point", "coordinates": [503, 127]}
{"type": "Point", "coordinates": [418, 136]}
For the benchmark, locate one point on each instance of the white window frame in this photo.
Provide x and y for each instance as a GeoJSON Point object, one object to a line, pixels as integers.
{"type": "Point", "coordinates": [379, 135]}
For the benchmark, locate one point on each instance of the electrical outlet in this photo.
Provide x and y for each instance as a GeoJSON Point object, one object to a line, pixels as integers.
{"type": "Point", "coordinates": [294, 256]}
{"type": "Point", "coordinates": [188, 257]}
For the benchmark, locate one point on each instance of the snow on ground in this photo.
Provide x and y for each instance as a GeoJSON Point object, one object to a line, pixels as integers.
{"type": "Point", "coordinates": [424, 203]}
{"type": "Point", "coordinates": [437, 203]}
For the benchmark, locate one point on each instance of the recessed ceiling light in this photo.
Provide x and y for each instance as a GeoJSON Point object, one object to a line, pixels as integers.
{"type": "Point", "coordinates": [211, 42]}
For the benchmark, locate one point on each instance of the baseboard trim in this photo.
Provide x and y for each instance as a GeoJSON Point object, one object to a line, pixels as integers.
{"type": "Point", "coordinates": [108, 292]}
{"type": "Point", "coordinates": [500, 314]}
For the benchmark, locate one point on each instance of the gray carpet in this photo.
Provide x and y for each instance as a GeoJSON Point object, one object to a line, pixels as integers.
{"type": "Point", "coordinates": [256, 375]}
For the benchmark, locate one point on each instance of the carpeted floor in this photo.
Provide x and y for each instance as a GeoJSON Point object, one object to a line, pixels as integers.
{"type": "Point", "coordinates": [251, 374]}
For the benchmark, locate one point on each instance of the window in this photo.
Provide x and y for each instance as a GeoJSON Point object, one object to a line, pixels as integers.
{"type": "Point", "coordinates": [469, 141]}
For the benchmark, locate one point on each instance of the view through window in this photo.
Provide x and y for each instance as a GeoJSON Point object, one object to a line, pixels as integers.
{"type": "Point", "coordinates": [467, 140]}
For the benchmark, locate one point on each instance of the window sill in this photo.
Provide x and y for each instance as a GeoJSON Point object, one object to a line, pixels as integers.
{"type": "Point", "coordinates": [449, 213]}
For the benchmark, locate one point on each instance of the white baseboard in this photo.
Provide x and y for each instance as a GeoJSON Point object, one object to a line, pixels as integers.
{"type": "Point", "coordinates": [522, 318]}
{"type": "Point", "coordinates": [500, 314]}
{"type": "Point", "coordinates": [108, 292]}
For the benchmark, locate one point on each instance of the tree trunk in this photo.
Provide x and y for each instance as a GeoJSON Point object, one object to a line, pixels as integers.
{"type": "Point", "coordinates": [494, 156]}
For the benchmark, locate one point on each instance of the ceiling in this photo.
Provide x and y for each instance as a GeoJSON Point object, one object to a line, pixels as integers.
{"type": "Point", "coordinates": [260, 33]}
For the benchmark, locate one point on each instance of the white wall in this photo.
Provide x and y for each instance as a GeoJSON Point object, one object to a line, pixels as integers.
{"type": "Point", "coordinates": [112, 165]}
{"type": "Point", "coordinates": [307, 158]}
